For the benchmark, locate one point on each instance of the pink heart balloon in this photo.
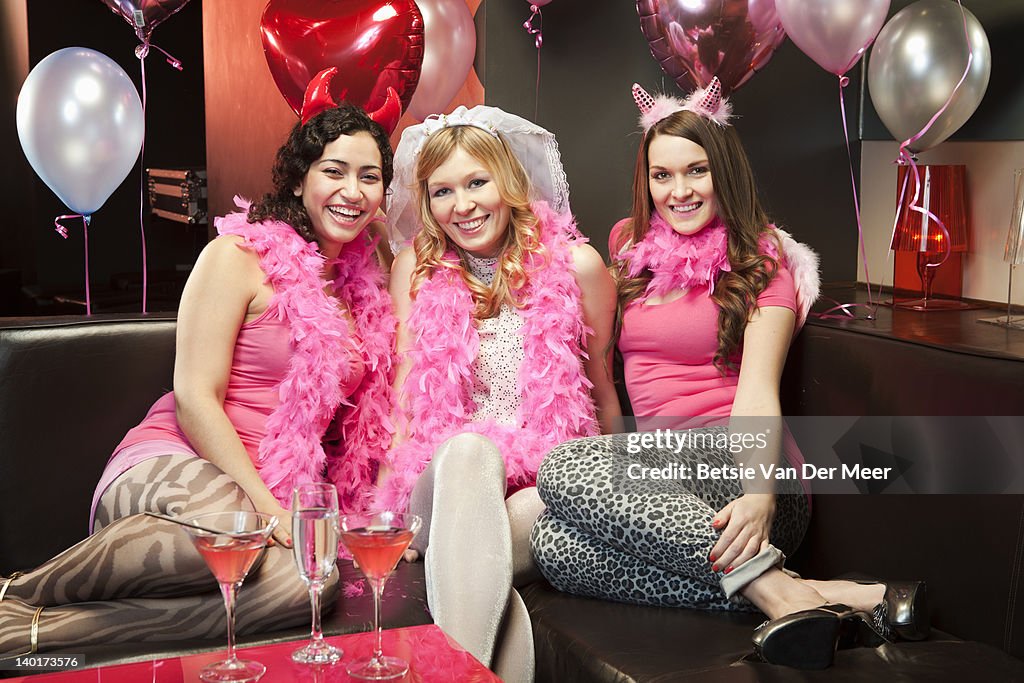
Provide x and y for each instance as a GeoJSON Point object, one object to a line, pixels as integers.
{"type": "Point", "coordinates": [144, 15]}
{"type": "Point", "coordinates": [695, 41]}
{"type": "Point", "coordinates": [375, 44]}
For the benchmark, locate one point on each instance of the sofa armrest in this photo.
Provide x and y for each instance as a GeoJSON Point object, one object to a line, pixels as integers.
{"type": "Point", "coordinates": [70, 387]}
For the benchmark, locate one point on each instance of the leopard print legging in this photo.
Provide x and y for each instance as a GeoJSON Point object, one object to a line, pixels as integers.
{"type": "Point", "coordinates": [646, 542]}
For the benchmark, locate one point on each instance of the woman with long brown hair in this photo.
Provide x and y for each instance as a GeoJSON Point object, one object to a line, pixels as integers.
{"type": "Point", "coordinates": [710, 294]}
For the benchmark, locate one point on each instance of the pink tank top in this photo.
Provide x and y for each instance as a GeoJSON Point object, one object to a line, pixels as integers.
{"type": "Point", "coordinates": [260, 363]}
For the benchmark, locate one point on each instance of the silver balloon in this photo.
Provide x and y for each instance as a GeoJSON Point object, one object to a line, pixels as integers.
{"type": "Point", "coordinates": [449, 46]}
{"type": "Point", "coordinates": [917, 60]}
{"type": "Point", "coordinates": [81, 125]}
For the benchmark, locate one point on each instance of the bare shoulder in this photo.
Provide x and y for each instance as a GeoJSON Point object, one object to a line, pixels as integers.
{"type": "Point", "coordinates": [405, 261]}
{"type": "Point", "coordinates": [588, 261]}
{"type": "Point", "coordinates": [225, 264]}
{"type": "Point", "coordinates": [401, 271]}
{"type": "Point", "coordinates": [228, 251]}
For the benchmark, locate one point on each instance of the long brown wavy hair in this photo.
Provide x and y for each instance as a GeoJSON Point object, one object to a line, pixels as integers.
{"type": "Point", "coordinates": [739, 208]}
{"type": "Point", "coordinates": [521, 239]}
{"type": "Point", "coordinates": [305, 144]}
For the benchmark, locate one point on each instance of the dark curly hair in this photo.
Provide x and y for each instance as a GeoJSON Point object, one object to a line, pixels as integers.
{"type": "Point", "coordinates": [740, 209]}
{"type": "Point", "coordinates": [305, 144]}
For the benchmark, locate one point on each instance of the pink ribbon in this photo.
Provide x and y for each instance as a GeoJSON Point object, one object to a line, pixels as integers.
{"type": "Point", "coordinates": [535, 31]}
{"type": "Point", "coordinates": [843, 82]}
{"type": "Point", "coordinates": [905, 157]}
{"type": "Point", "coordinates": [538, 41]}
{"type": "Point", "coordinates": [63, 232]}
{"type": "Point", "coordinates": [142, 51]}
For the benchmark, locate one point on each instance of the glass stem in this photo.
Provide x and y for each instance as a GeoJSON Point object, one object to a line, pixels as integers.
{"type": "Point", "coordinates": [229, 591]}
{"type": "Point", "coordinates": [378, 588]}
{"type": "Point", "coordinates": [316, 635]}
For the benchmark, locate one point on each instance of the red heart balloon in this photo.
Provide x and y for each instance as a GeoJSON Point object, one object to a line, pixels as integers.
{"type": "Point", "coordinates": [695, 41]}
{"type": "Point", "coordinates": [144, 15]}
{"type": "Point", "coordinates": [375, 44]}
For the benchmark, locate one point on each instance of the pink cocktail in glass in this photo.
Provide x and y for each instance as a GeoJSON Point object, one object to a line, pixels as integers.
{"type": "Point", "coordinates": [230, 542]}
{"type": "Point", "coordinates": [377, 541]}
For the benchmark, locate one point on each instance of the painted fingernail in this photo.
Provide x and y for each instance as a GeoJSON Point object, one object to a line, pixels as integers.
{"type": "Point", "coordinates": [715, 522]}
{"type": "Point", "coordinates": [712, 557]}
{"type": "Point", "coordinates": [728, 569]}
{"type": "Point", "coordinates": [714, 567]}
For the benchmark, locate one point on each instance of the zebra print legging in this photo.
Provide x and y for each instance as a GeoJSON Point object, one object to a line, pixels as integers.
{"type": "Point", "coordinates": [140, 579]}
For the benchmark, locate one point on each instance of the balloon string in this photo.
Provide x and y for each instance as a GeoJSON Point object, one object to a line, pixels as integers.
{"type": "Point", "coordinates": [906, 158]}
{"type": "Point", "coordinates": [538, 41]}
{"type": "Point", "coordinates": [142, 186]}
{"type": "Point", "coordinates": [63, 232]}
{"type": "Point", "coordinates": [843, 82]}
{"type": "Point", "coordinates": [143, 50]}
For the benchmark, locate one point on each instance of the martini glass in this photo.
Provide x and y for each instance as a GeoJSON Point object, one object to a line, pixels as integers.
{"type": "Point", "coordinates": [230, 542]}
{"type": "Point", "coordinates": [377, 541]}
{"type": "Point", "coordinates": [315, 541]}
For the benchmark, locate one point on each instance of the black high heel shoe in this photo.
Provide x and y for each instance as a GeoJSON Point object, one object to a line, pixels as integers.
{"type": "Point", "coordinates": [903, 612]}
{"type": "Point", "coordinates": [807, 639]}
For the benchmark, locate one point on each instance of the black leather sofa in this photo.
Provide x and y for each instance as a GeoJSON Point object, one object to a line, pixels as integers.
{"type": "Point", "coordinates": [70, 387]}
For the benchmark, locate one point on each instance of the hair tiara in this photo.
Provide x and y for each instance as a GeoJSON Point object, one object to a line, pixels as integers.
{"type": "Point", "coordinates": [318, 99]}
{"type": "Point", "coordinates": [707, 102]}
{"type": "Point", "coordinates": [460, 117]}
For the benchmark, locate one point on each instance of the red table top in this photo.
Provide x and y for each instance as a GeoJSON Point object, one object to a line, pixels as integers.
{"type": "Point", "coordinates": [431, 654]}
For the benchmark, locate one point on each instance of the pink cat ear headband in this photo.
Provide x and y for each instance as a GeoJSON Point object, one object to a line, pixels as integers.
{"type": "Point", "coordinates": [707, 102]}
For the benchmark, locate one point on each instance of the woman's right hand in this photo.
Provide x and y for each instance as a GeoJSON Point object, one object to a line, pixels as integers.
{"type": "Point", "coordinates": [282, 532]}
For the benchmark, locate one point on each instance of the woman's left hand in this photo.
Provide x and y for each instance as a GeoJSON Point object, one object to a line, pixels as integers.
{"type": "Point", "coordinates": [744, 524]}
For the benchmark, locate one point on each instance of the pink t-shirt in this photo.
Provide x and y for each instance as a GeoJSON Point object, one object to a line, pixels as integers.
{"type": "Point", "coordinates": [668, 351]}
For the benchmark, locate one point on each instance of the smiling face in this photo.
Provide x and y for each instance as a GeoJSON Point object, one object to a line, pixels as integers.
{"type": "Point", "coordinates": [466, 202]}
{"type": "Point", "coordinates": [342, 190]}
{"type": "Point", "coordinates": [680, 183]}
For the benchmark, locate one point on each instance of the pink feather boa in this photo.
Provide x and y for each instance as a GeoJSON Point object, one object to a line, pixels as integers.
{"type": "Point", "coordinates": [292, 451]}
{"type": "Point", "coordinates": [686, 261]}
{"type": "Point", "coordinates": [556, 404]}
{"type": "Point", "coordinates": [679, 261]}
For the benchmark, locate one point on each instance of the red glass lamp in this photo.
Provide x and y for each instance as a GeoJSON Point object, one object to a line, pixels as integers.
{"type": "Point", "coordinates": [935, 252]}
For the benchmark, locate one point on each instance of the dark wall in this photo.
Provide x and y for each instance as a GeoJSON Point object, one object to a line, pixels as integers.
{"type": "Point", "coordinates": [175, 136]}
{"type": "Point", "coordinates": [594, 51]}
{"type": "Point", "coordinates": [16, 246]}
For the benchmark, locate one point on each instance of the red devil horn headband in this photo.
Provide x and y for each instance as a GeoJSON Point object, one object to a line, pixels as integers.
{"type": "Point", "coordinates": [389, 113]}
{"type": "Point", "coordinates": [318, 99]}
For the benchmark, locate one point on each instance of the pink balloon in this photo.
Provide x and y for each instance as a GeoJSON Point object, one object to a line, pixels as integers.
{"type": "Point", "coordinates": [449, 47]}
{"type": "Point", "coordinates": [538, 3]}
{"type": "Point", "coordinates": [834, 33]}
{"type": "Point", "coordinates": [695, 41]}
{"type": "Point", "coordinates": [144, 15]}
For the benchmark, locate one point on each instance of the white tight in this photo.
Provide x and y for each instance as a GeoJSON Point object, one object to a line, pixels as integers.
{"type": "Point", "coordinates": [477, 549]}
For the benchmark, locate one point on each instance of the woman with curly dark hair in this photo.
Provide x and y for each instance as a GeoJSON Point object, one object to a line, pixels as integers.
{"type": "Point", "coordinates": [710, 295]}
{"type": "Point", "coordinates": [283, 368]}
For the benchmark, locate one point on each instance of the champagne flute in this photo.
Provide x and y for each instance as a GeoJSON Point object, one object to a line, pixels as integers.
{"type": "Point", "coordinates": [377, 541]}
{"type": "Point", "coordinates": [315, 541]}
{"type": "Point", "coordinates": [230, 542]}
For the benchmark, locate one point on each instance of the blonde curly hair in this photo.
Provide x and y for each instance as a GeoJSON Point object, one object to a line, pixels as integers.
{"type": "Point", "coordinates": [522, 237]}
